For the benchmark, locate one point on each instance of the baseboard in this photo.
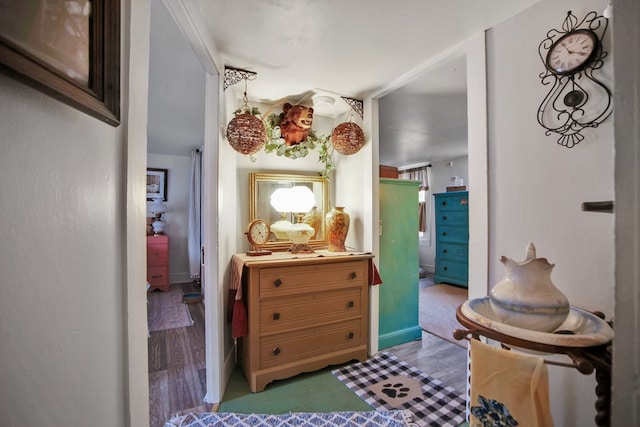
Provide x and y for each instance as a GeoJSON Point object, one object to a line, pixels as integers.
{"type": "Point", "coordinates": [399, 337]}
{"type": "Point", "coordinates": [429, 268]}
{"type": "Point", "coordinates": [182, 277]}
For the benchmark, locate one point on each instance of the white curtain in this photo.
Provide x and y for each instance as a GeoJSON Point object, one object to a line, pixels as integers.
{"type": "Point", "coordinates": [195, 208]}
{"type": "Point", "coordinates": [422, 174]}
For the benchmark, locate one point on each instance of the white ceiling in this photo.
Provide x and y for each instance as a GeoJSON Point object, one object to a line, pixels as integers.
{"type": "Point", "coordinates": [354, 48]}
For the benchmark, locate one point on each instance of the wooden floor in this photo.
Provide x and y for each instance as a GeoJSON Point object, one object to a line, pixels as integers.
{"type": "Point", "coordinates": [437, 305]}
{"type": "Point", "coordinates": [177, 365]}
{"type": "Point", "coordinates": [177, 368]}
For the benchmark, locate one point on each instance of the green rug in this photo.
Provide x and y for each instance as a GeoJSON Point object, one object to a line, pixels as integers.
{"type": "Point", "coordinates": [318, 391]}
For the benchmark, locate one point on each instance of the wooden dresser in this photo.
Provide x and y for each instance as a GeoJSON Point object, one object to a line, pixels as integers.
{"type": "Point", "coordinates": [303, 314]}
{"type": "Point", "coordinates": [452, 238]}
{"type": "Point", "coordinates": [158, 262]}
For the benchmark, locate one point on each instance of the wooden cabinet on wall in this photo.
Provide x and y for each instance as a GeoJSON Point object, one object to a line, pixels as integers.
{"type": "Point", "coordinates": [303, 314]}
{"type": "Point", "coordinates": [158, 262]}
{"type": "Point", "coordinates": [399, 262]}
{"type": "Point", "coordinates": [452, 238]}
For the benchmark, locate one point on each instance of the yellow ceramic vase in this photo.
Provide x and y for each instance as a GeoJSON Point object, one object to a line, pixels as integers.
{"type": "Point", "coordinates": [337, 223]}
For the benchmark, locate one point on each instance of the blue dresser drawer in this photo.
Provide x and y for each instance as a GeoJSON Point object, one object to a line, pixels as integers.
{"type": "Point", "coordinates": [453, 234]}
{"type": "Point", "coordinates": [454, 201]}
{"type": "Point", "coordinates": [452, 251]}
{"type": "Point", "coordinates": [451, 272]}
{"type": "Point", "coordinates": [452, 218]}
{"type": "Point", "coordinates": [452, 237]}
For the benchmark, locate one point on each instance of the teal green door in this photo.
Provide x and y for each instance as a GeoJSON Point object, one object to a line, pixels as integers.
{"type": "Point", "coordinates": [399, 263]}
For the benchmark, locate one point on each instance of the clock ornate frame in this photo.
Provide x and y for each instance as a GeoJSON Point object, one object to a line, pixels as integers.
{"type": "Point", "coordinates": [575, 100]}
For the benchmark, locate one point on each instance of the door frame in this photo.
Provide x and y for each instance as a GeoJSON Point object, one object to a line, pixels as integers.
{"type": "Point", "coordinates": [189, 20]}
{"type": "Point", "coordinates": [474, 50]}
{"type": "Point", "coordinates": [625, 407]}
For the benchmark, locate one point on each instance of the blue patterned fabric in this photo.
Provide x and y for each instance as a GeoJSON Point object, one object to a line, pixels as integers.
{"type": "Point", "coordinates": [298, 419]}
{"type": "Point", "coordinates": [492, 413]}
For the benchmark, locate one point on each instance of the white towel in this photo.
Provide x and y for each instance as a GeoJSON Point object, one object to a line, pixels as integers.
{"type": "Point", "coordinates": [509, 385]}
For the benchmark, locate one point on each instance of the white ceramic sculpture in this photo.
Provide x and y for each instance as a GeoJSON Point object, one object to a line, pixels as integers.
{"type": "Point", "coordinates": [526, 297]}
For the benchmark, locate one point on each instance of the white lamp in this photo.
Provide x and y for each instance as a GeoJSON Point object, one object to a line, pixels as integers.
{"type": "Point", "coordinates": [302, 200]}
{"type": "Point", "coordinates": [157, 208]}
{"type": "Point", "coordinates": [280, 202]}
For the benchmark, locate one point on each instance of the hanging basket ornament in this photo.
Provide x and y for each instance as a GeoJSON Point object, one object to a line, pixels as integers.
{"type": "Point", "coordinates": [246, 132]}
{"type": "Point", "coordinates": [347, 138]}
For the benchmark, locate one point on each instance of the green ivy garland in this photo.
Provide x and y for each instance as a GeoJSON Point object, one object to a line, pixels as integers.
{"type": "Point", "coordinates": [275, 144]}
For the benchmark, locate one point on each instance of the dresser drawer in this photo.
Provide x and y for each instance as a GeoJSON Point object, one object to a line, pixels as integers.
{"type": "Point", "coordinates": [452, 201]}
{"type": "Point", "coordinates": [283, 281]}
{"type": "Point", "coordinates": [296, 312]}
{"type": "Point", "coordinates": [452, 251]}
{"type": "Point", "coordinates": [157, 255]}
{"type": "Point", "coordinates": [453, 235]}
{"type": "Point", "coordinates": [293, 346]}
{"type": "Point", "coordinates": [446, 269]}
{"type": "Point", "coordinates": [452, 218]}
{"type": "Point", "coordinates": [157, 276]}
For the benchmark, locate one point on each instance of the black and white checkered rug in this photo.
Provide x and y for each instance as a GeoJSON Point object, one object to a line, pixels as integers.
{"type": "Point", "coordinates": [384, 381]}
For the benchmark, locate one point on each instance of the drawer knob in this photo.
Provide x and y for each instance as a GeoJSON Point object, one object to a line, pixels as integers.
{"type": "Point", "coordinates": [444, 217]}
{"type": "Point", "coordinates": [350, 304]}
{"type": "Point", "coordinates": [156, 277]}
{"type": "Point", "coordinates": [353, 275]}
{"type": "Point", "coordinates": [350, 335]}
{"type": "Point", "coordinates": [444, 233]}
{"type": "Point", "coordinates": [276, 351]}
{"type": "Point", "coordinates": [464, 202]}
{"type": "Point", "coordinates": [444, 203]}
{"type": "Point", "coordinates": [445, 251]}
{"type": "Point", "coordinates": [276, 316]}
{"type": "Point", "coordinates": [446, 268]}
{"type": "Point", "coordinates": [277, 282]}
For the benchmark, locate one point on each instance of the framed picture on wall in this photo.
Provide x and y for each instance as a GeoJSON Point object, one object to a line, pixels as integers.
{"type": "Point", "coordinates": [156, 184]}
{"type": "Point", "coordinates": [69, 50]}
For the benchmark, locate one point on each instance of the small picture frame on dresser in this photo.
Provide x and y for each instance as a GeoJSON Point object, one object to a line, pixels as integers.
{"type": "Point", "coordinates": [157, 184]}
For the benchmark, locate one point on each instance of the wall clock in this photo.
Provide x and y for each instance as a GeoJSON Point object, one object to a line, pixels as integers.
{"type": "Point", "coordinates": [258, 233]}
{"type": "Point", "coordinates": [576, 99]}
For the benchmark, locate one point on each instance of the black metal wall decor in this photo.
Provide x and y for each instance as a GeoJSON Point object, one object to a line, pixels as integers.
{"type": "Point", "coordinates": [576, 99]}
{"type": "Point", "coordinates": [235, 75]}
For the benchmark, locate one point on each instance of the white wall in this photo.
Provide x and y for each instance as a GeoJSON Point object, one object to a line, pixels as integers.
{"type": "Point", "coordinates": [64, 296]}
{"type": "Point", "coordinates": [61, 292]}
{"type": "Point", "coordinates": [177, 216]}
{"type": "Point", "coordinates": [442, 173]}
{"type": "Point", "coordinates": [536, 187]}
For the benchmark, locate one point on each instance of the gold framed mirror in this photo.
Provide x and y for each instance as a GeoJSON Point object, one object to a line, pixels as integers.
{"type": "Point", "coordinates": [262, 187]}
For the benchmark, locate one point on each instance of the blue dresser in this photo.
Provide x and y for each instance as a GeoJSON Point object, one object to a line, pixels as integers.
{"type": "Point", "coordinates": [452, 238]}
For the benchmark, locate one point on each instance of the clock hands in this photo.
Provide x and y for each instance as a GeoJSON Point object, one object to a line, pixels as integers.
{"type": "Point", "coordinates": [570, 52]}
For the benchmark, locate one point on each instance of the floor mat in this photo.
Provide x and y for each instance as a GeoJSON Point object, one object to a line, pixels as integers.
{"type": "Point", "coordinates": [165, 310]}
{"type": "Point", "coordinates": [342, 419]}
{"type": "Point", "coordinates": [384, 381]}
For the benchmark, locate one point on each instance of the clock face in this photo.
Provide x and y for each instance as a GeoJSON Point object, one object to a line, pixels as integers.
{"type": "Point", "coordinates": [258, 232]}
{"type": "Point", "coordinates": [572, 52]}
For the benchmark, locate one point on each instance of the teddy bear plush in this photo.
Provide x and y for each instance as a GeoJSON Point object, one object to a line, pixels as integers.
{"type": "Point", "coordinates": [296, 123]}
